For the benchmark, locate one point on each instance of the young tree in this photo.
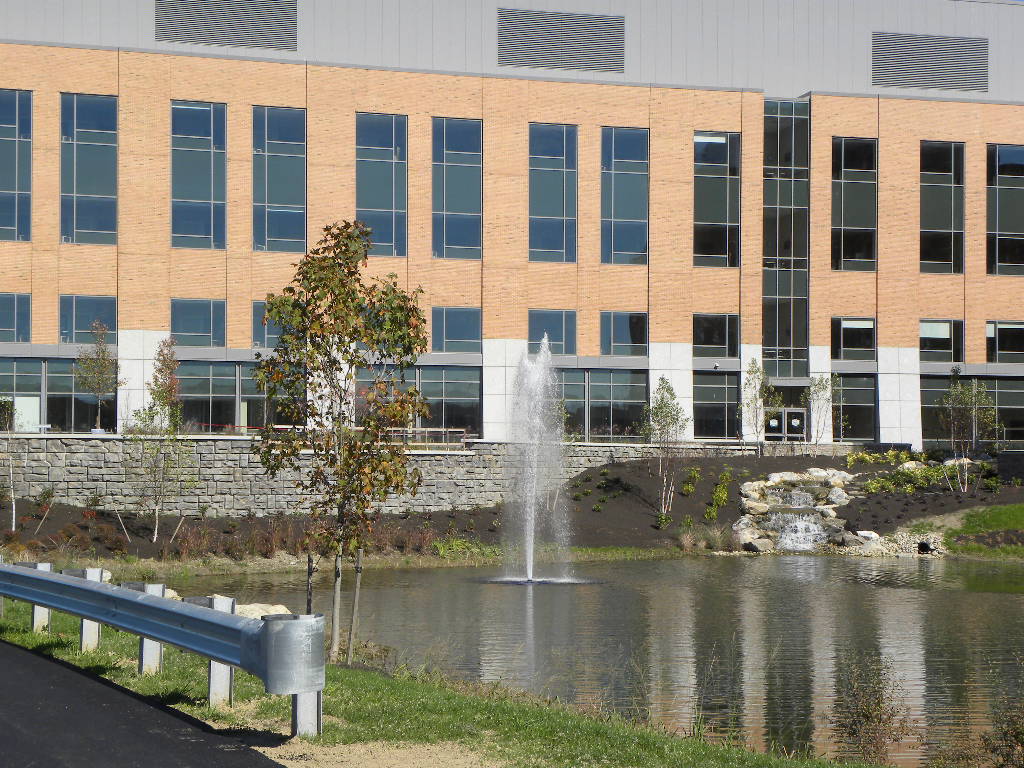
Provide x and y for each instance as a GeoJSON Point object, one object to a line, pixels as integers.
{"type": "Point", "coordinates": [759, 401]}
{"type": "Point", "coordinates": [337, 323]}
{"type": "Point", "coordinates": [164, 465]}
{"type": "Point", "coordinates": [663, 426]}
{"type": "Point", "coordinates": [96, 369]}
{"type": "Point", "coordinates": [969, 416]}
{"type": "Point", "coordinates": [817, 399]}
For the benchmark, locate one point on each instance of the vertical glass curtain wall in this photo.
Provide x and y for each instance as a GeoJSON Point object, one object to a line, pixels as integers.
{"type": "Point", "coordinates": [942, 207]}
{"type": "Point", "coordinates": [88, 168]}
{"type": "Point", "coordinates": [381, 180]}
{"type": "Point", "coordinates": [552, 192]}
{"type": "Point", "coordinates": [603, 405]}
{"type": "Point", "coordinates": [279, 179]}
{"type": "Point", "coordinates": [716, 199]}
{"type": "Point", "coordinates": [786, 238]}
{"type": "Point", "coordinates": [1005, 241]}
{"type": "Point", "coordinates": [15, 165]}
{"type": "Point", "coordinates": [716, 405]}
{"type": "Point", "coordinates": [1006, 393]}
{"type": "Point", "coordinates": [853, 408]}
{"type": "Point", "coordinates": [458, 188]}
{"type": "Point", "coordinates": [624, 195]}
{"type": "Point", "coordinates": [854, 203]}
{"type": "Point", "coordinates": [198, 175]}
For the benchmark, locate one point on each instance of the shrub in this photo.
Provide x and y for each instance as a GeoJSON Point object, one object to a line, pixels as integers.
{"type": "Point", "coordinates": [711, 513]}
{"type": "Point", "coordinates": [868, 715]}
{"type": "Point", "coordinates": [664, 521]}
{"type": "Point", "coordinates": [686, 489]}
{"type": "Point", "coordinates": [687, 522]}
{"type": "Point", "coordinates": [596, 508]}
{"type": "Point", "coordinates": [693, 477]}
{"type": "Point", "coordinates": [577, 496]}
{"type": "Point", "coordinates": [990, 484]}
{"type": "Point", "coordinates": [603, 473]}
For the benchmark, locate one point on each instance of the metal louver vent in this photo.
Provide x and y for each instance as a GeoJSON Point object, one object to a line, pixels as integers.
{"type": "Point", "coordinates": [929, 61]}
{"type": "Point", "coordinates": [239, 23]}
{"type": "Point", "coordinates": [551, 40]}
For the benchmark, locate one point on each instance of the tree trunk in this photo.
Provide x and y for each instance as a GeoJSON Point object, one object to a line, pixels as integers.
{"type": "Point", "coordinates": [336, 609]}
{"type": "Point", "coordinates": [98, 405]}
{"type": "Point", "coordinates": [309, 582]}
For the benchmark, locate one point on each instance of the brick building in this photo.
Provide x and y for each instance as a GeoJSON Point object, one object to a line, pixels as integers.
{"type": "Point", "coordinates": [664, 188]}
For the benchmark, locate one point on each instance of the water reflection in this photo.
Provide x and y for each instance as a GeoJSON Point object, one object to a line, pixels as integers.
{"type": "Point", "coordinates": [747, 647]}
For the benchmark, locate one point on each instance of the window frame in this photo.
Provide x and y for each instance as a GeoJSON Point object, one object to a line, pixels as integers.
{"type": "Point", "coordinates": [262, 208]}
{"type": "Point", "coordinates": [440, 341]}
{"type": "Point", "coordinates": [399, 174]}
{"type": "Point", "coordinates": [611, 323]}
{"type": "Point", "coordinates": [612, 167]}
{"type": "Point", "coordinates": [840, 349]}
{"type": "Point", "coordinates": [567, 319]}
{"type": "Point", "coordinates": [441, 217]}
{"type": "Point", "coordinates": [844, 181]}
{"type": "Point", "coordinates": [565, 167]}
{"type": "Point", "coordinates": [731, 348]}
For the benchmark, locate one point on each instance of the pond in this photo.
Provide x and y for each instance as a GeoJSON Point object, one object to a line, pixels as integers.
{"type": "Point", "coordinates": [750, 646]}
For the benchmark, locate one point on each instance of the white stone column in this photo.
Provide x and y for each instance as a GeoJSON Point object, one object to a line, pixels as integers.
{"type": "Point", "coordinates": [135, 352]}
{"type": "Point", "coordinates": [820, 423]}
{"type": "Point", "coordinates": [500, 361]}
{"type": "Point", "coordinates": [899, 395]}
{"type": "Point", "coordinates": [674, 361]}
{"type": "Point", "coordinates": [748, 352]}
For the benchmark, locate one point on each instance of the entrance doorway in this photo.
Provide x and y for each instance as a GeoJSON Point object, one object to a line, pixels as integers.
{"type": "Point", "coordinates": [789, 424]}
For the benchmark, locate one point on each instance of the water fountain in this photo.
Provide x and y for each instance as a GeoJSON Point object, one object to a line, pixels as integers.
{"type": "Point", "coordinates": [536, 511]}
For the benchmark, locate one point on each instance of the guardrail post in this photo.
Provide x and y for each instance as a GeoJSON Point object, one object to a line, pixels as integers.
{"type": "Point", "coordinates": [292, 653]}
{"type": "Point", "coordinates": [89, 635]}
{"type": "Point", "coordinates": [307, 713]}
{"type": "Point", "coordinates": [221, 676]}
{"type": "Point", "coordinates": [40, 615]}
{"type": "Point", "coordinates": [151, 653]}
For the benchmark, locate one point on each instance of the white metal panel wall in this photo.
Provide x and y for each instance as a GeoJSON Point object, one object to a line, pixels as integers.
{"type": "Point", "coordinates": [784, 47]}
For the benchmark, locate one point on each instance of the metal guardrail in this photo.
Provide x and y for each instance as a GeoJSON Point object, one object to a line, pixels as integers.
{"type": "Point", "coordinates": [285, 651]}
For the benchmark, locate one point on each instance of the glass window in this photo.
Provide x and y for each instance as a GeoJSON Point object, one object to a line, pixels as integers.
{"type": "Point", "coordinates": [942, 341]}
{"type": "Point", "coordinates": [453, 395]}
{"type": "Point", "coordinates": [78, 313]}
{"type": "Point", "coordinates": [21, 384]}
{"type": "Point", "coordinates": [559, 325]}
{"type": "Point", "coordinates": [617, 399]}
{"type": "Point", "coordinates": [942, 207]}
{"type": "Point", "coordinates": [716, 405]}
{"type": "Point", "coordinates": [198, 174]}
{"type": "Point", "coordinates": [458, 188]}
{"type": "Point", "coordinates": [1004, 342]}
{"type": "Point", "coordinates": [552, 192]}
{"type": "Point", "coordinates": [624, 195]}
{"type": "Point", "coordinates": [853, 338]}
{"type": "Point", "coordinates": [854, 204]}
{"type": "Point", "coordinates": [88, 174]}
{"type": "Point", "coordinates": [15, 165]}
{"type": "Point", "coordinates": [853, 408]}
{"type": "Point", "coordinates": [1005, 240]}
{"type": "Point", "coordinates": [208, 393]}
{"type": "Point", "coordinates": [68, 408]}
{"type": "Point", "coordinates": [264, 333]}
{"type": "Point", "coordinates": [456, 329]}
{"type": "Point", "coordinates": [381, 180]}
{"type": "Point", "coordinates": [716, 335]}
{"type": "Point", "coordinates": [624, 333]}
{"type": "Point", "coordinates": [15, 317]}
{"type": "Point", "coordinates": [716, 199]}
{"type": "Point", "coordinates": [572, 390]}
{"type": "Point", "coordinates": [279, 179]}
{"type": "Point", "coordinates": [197, 322]}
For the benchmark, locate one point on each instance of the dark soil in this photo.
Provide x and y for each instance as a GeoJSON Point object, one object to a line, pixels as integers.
{"type": "Point", "coordinates": [885, 512]}
{"type": "Point", "coordinates": [994, 539]}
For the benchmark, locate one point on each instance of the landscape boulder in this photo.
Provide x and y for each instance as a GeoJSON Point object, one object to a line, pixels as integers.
{"type": "Point", "coordinates": [838, 497]}
{"type": "Point", "coordinates": [760, 546]}
{"type": "Point", "coordinates": [913, 465]}
{"type": "Point", "coordinates": [259, 610]}
{"type": "Point", "coordinates": [868, 535]}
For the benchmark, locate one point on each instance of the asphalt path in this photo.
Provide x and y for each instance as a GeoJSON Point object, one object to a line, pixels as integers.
{"type": "Point", "coordinates": [55, 716]}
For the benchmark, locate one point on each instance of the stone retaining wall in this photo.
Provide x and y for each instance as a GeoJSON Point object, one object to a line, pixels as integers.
{"type": "Point", "coordinates": [232, 481]}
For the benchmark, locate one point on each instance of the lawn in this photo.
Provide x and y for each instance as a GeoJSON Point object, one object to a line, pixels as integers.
{"type": "Point", "coordinates": [362, 705]}
{"type": "Point", "coordinates": [997, 530]}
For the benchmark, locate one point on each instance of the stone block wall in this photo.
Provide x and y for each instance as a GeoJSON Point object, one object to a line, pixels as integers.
{"type": "Point", "coordinates": [231, 480]}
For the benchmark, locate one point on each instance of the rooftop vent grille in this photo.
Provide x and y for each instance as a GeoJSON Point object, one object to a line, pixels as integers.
{"type": "Point", "coordinates": [929, 61]}
{"type": "Point", "coordinates": [551, 40]}
{"type": "Point", "coordinates": [237, 23]}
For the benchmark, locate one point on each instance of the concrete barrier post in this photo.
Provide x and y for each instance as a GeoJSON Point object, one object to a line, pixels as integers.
{"type": "Point", "coordinates": [221, 676]}
{"type": "Point", "coordinates": [40, 615]}
{"type": "Point", "coordinates": [151, 653]}
{"type": "Point", "coordinates": [89, 635]}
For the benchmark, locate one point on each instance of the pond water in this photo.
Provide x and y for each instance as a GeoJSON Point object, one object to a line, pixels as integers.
{"type": "Point", "coordinates": [751, 646]}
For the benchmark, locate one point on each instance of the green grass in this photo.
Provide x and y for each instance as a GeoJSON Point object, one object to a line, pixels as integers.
{"type": "Point", "coordinates": [517, 729]}
{"type": "Point", "coordinates": [1006, 517]}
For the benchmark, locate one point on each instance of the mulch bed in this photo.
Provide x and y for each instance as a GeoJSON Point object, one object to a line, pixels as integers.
{"type": "Point", "coordinates": [994, 539]}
